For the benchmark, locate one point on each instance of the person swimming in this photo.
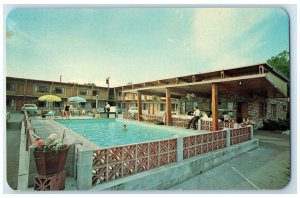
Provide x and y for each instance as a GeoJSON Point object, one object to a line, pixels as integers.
{"type": "Point", "coordinates": [125, 128]}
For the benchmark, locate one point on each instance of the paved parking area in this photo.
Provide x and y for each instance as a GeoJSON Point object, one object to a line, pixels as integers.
{"type": "Point", "coordinates": [267, 167]}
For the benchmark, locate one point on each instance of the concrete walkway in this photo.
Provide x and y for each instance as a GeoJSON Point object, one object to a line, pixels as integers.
{"type": "Point", "coordinates": [13, 128]}
{"type": "Point", "coordinates": [267, 167]}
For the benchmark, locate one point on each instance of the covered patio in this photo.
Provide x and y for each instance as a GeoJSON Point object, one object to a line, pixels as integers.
{"type": "Point", "coordinates": [251, 82]}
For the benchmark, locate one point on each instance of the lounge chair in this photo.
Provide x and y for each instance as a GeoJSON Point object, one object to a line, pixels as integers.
{"type": "Point", "coordinates": [50, 114]}
{"type": "Point", "coordinates": [38, 112]}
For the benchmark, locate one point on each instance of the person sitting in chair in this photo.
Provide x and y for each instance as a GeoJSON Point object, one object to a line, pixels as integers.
{"type": "Point", "coordinates": [226, 117]}
{"type": "Point", "coordinates": [196, 117]}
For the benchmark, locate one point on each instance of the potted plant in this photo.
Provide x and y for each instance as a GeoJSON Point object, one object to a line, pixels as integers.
{"type": "Point", "coordinates": [50, 156]}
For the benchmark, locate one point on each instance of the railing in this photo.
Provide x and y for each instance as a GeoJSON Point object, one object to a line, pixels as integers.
{"type": "Point", "coordinates": [116, 162]}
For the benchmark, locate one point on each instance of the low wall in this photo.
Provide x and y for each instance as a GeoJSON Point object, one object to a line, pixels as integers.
{"type": "Point", "coordinates": [109, 165]}
{"type": "Point", "coordinates": [170, 175]}
{"type": "Point", "coordinates": [182, 122]}
{"type": "Point", "coordinates": [121, 161]}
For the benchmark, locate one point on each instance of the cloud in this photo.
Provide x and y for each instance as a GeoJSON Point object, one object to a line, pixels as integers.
{"type": "Point", "coordinates": [227, 35]}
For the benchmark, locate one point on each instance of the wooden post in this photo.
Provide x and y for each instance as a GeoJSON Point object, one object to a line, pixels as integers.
{"type": "Point", "coordinates": [139, 105]}
{"type": "Point", "coordinates": [168, 107]}
{"type": "Point", "coordinates": [214, 106]}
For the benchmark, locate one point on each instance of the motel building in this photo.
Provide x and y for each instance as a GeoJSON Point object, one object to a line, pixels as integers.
{"type": "Point", "coordinates": [256, 92]}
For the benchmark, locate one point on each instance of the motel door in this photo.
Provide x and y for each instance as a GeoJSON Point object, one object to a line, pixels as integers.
{"type": "Point", "coordinates": [19, 104]}
{"type": "Point", "coordinates": [242, 111]}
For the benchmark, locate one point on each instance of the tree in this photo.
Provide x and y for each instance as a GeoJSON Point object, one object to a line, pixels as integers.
{"type": "Point", "coordinates": [281, 62]}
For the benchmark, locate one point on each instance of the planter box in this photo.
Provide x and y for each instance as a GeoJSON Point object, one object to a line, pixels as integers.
{"type": "Point", "coordinates": [50, 162]}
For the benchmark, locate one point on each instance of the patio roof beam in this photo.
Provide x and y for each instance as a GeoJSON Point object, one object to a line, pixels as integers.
{"type": "Point", "coordinates": [162, 82]}
{"type": "Point", "coordinates": [180, 80]}
{"type": "Point", "coordinates": [150, 93]}
{"type": "Point", "coordinates": [203, 82]}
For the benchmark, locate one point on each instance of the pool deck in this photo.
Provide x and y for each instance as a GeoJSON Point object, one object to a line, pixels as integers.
{"type": "Point", "coordinates": [44, 127]}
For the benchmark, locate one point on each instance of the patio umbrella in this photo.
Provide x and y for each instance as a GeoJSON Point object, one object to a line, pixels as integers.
{"type": "Point", "coordinates": [76, 99]}
{"type": "Point", "coordinates": [49, 98]}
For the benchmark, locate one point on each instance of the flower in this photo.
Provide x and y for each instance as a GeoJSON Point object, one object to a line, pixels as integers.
{"type": "Point", "coordinates": [52, 143]}
{"type": "Point", "coordinates": [40, 143]}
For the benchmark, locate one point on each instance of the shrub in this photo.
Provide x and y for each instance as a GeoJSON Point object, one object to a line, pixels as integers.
{"type": "Point", "coordinates": [276, 125]}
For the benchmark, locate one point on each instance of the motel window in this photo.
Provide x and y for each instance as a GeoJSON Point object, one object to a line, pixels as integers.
{"type": "Point", "coordinates": [57, 104]}
{"type": "Point", "coordinates": [82, 104]}
{"type": "Point", "coordinates": [162, 107]}
{"type": "Point", "coordinates": [41, 89]}
{"type": "Point", "coordinates": [10, 102]}
{"type": "Point", "coordinates": [120, 93]}
{"type": "Point", "coordinates": [173, 107]}
{"type": "Point", "coordinates": [41, 103]}
{"type": "Point", "coordinates": [274, 111]}
{"type": "Point", "coordinates": [58, 90]}
{"type": "Point", "coordinates": [144, 106]}
{"type": "Point", "coordinates": [262, 109]}
{"type": "Point", "coordinates": [284, 108]}
{"type": "Point", "coordinates": [95, 93]}
{"type": "Point", "coordinates": [83, 92]}
{"type": "Point", "coordinates": [93, 104]}
{"type": "Point", "coordinates": [10, 87]}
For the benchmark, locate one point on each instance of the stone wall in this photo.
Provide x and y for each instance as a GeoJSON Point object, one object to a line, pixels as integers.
{"type": "Point", "coordinates": [253, 108]}
{"type": "Point", "coordinates": [281, 112]}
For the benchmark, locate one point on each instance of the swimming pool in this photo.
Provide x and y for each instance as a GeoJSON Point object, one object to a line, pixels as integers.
{"type": "Point", "coordinates": [109, 132]}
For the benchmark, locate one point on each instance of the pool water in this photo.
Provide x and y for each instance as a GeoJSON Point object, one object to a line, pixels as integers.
{"type": "Point", "coordinates": [109, 132]}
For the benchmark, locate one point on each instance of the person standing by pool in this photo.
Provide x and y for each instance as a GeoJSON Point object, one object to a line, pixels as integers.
{"type": "Point", "coordinates": [107, 109]}
{"type": "Point", "coordinates": [67, 111]}
{"type": "Point", "coordinates": [195, 118]}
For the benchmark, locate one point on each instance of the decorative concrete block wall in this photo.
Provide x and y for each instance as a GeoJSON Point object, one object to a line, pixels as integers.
{"type": "Point", "coordinates": [203, 143]}
{"type": "Point", "coordinates": [129, 116]}
{"type": "Point", "coordinates": [240, 135]}
{"type": "Point", "coordinates": [110, 165]}
{"type": "Point", "coordinates": [117, 162]}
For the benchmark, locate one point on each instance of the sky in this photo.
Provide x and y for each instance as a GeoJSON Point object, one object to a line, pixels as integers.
{"type": "Point", "coordinates": [87, 45]}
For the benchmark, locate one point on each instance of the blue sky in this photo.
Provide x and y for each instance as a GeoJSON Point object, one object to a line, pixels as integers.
{"type": "Point", "coordinates": [139, 44]}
